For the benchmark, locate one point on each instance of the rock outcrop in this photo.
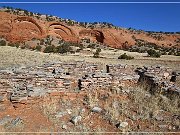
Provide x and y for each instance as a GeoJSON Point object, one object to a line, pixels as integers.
{"type": "Point", "coordinates": [93, 35]}
{"type": "Point", "coordinates": [20, 28]}
{"type": "Point", "coordinates": [62, 31]}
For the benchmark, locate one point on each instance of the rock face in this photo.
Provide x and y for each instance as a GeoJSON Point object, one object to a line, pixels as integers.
{"type": "Point", "coordinates": [94, 35]}
{"type": "Point", "coordinates": [18, 28]}
{"type": "Point", "coordinates": [62, 31]}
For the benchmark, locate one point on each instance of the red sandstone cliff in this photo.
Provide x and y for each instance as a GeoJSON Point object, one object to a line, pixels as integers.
{"type": "Point", "coordinates": [17, 28]}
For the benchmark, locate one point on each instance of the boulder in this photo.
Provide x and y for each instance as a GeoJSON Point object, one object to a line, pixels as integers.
{"type": "Point", "coordinates": [76, 119]}
{"type": "Point", "coordinates": [123, 124]}
{"type": "Point", "coordinates": [96, 109]}
{"type": "Point", "coordinates": [64, 127]}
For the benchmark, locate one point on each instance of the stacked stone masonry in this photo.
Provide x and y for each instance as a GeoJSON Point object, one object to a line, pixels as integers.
{"type": "Point", "coordinates": [21, 84]}
{"type": "Point", "coordinates": [159, 80]}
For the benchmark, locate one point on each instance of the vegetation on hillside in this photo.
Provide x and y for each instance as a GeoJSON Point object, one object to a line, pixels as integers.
{"type": "Point", "coordinates": [18, 11]}
{"type": "Point", "coordinates": [143, 46]}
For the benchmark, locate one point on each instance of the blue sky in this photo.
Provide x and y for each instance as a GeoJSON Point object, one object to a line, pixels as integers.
{"type": "Point", "coordinates": [155, 17]}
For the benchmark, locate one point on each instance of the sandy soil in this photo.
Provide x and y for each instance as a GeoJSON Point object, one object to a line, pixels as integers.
{"type": "Point", "coordinates": [13, 57]}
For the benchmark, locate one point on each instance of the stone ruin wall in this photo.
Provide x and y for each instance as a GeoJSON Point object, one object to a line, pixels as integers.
{"type": "Point", "coordinates": [159, 80]}
{"type": "Point", "coordinates": [25, 83]}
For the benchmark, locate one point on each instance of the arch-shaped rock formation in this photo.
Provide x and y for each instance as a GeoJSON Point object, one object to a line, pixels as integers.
{"type": "Point", "coordinates": [25, 28]}
{"type": "Point", "coordinates": [57, 25]}
{"type": "Point", "coordinates": [31, 20]}
{"type": "Point", "coordinates": [94, 35]}
{"type": "Point", "coordinates": [61, 30]}
{"type": "Point", "coordinates": [5, 27]}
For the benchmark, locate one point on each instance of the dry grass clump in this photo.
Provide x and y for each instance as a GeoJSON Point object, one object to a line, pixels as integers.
{"type": "Point", "coordinates": [140, 106]}
{"type": "Point", "coordinates": [92, 99]}
{"type": "Point", "coordinates": [150, 103]}
{"type": "Point", "coordinates": [49, 107]}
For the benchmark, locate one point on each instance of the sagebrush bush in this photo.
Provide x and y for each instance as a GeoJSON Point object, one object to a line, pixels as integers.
{"type": "Point", "coordinates": [2, 43]}
{"type": "Point", "coordinates": [49, 49]}
{"type": "Point", "coordinates": [38, 48]}
{"type": "Point", "coordinates": [125, 56]}
{"type": "Point", "coordinates": [154, 53]}
{"type": "Point", "coordinates": [64, 48]}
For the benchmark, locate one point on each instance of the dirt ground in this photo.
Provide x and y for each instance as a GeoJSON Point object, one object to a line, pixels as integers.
{"type": "Point", "coordinates": [53, 113]}
{"type": "Point", "coordinates": [14, 57]}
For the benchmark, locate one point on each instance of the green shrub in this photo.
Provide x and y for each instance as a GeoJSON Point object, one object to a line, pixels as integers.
{"type": "Point", "coordinates": [91, 46]}
{"type": "Point", "coordinates": [153, 53]}
{"type": "Point", "coordinates": [17, 45]}
{"type": "Point", "coordinates": [11, 44]}
{"type": "Point", "coordinates": [178, 54]}
{"type": "Point", "coordinates": [64, 48]}
{"type": "Point", "coordinates": [23, 47]}
{"type": "Point", "coordinates": [125, 56]}
{"type": "Point", "coordinates": [2, 43]}
{"type": "Point", "coordinates": [49, 49]}
{"type": "Point", "coordinates": [170, 53]}
{"type": "Point", "coordinates": [38, 48]}
{"type": "Point", "coordinates": [163, 53]}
